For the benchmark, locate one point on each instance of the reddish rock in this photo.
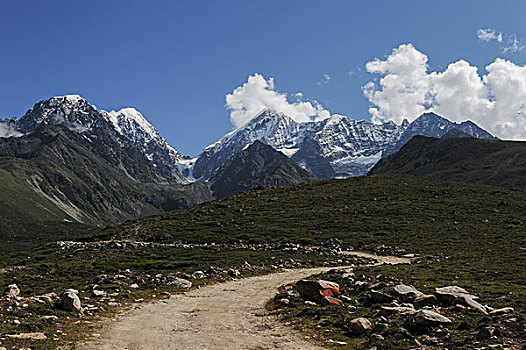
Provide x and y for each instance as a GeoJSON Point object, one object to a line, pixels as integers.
{"type": "Point", "coordinates": [325, 301]}
{"type": "Point", "coordinates": [315, 290]}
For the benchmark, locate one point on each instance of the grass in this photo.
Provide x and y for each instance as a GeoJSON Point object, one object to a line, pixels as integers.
{"type": "Point", "coordinates": [468, 235]}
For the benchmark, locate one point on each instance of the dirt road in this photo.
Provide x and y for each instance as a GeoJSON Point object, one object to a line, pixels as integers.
{"type": "Point", "coordinates": [229, 315]}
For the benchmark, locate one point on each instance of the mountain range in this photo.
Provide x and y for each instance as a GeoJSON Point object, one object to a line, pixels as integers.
{"type": "Point", "coordinates": [336, 147]}
{"type": "Point", "coordinates": [72, 161]}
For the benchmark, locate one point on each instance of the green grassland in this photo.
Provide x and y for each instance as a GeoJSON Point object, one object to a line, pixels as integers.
{"type": "Point", "coordinates": [467, 235]}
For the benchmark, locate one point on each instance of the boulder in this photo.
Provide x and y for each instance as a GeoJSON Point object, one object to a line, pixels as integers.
{"type": "Point", "coordinates": [315, 290]}
{"type": "Point", "coordinates": [485, 333]}
{"type": "Point", "coordinates": [325, 301]}
{"type": "Point", "coordinates": [425, 300]}
{"type": "Point", "coordinates": [406, 293]}
{"type": "Point", "coordinates": [380, 297]}
{"type": "Point", "coordinates": [452, 295]}
{"type": "Point", "coordinates": [427, 318]}
{"type": "Point", "coordinates": [180, 282]}
{"type": "Point", "coordinates": [359, 325]}
{"type": "Point", "coordinates": [70, 301]}
{"type": "Point", "coordinates": [12, 291]}
{"type": "Point", "coordinates": [134, 286]}
{"type": "Point", "coordinates": [198, 275]}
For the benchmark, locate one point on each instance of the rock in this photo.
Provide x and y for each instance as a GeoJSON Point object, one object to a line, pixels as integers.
{"type": "Point", "coordinates": [134, 286]}
{"type": "Point", "coordinates": [406, 293]}
{"type": "Point", "coordinates": [425, 318]}
{"type": "Point", "coordinates": [33, 336]}
{"type": "Point", "coordinates": [233, 273]}
{"type": "Point", "coordinates": [180, 282]}
{"type": "Point", "coordinates": [452, 295]}
{"type": "Point", "coordinates": [315, 290]}
{"type": "Point", "coordinates": [427, 340]}
{"type": "Point", "coordinates": [472, 303]}
{"type": "Point", "coordinates": [360, 325]}
{"type": "Point", "coordinates": [311, 303]}
{"type": "Point", "coordinates": [503, 311]}
{"type": "Point", "coordinates": [376, 338]}
{"type": "Point", "coordinates": [388, 310]}
{"type": "Point", "coordinates": [198, 275]}
{"type": "Point", "coordinates": [284, 301]}
{"type": "Point", "coordinates": [114, 304]}
{"type": "Point", "coordinates": [325, 301]}
{"type": "Point", "coordinates": [380, 297]}
{"type": "Point", "coordinates": [12, 291]}
{"type": "Point", "coordinates": [485, 333]}
{"type": "Point", "coordinates": [425, 300]}
{"type": "Point", "coordinates": [98, 293]}
{"type": "Point", "coordinates": [70, 301]}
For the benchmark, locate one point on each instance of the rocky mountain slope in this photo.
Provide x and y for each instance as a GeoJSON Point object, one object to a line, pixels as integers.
{"type": "Point", "coordinates": [79, 116]}
{"type": "Point", "coordinates": [334, 147]}
{"type": "Point", "coordinates": [58, 174]}
{"type": "Point", "coordinates": [466, 159]}
{"type": "Point", "coordinates": [257, 166]}
{"type": "Point", "coordinates": [68, 167]}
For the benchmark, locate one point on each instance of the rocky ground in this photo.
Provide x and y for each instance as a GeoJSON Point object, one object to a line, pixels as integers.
{"type": "Point", "coordinates": [353, 311]}
{"type": "Point", "coordinates": [38, 310]}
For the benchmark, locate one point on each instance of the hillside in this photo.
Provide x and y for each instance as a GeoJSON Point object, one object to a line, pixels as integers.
{"type": "Point", "coordinates": [490, 162]}
{"type": "Point", "coordinates": [468, 235]}
{"type": "Point", "coordinates": [257, 166]}
{"type": "Point", "coordinates": [57, 184]}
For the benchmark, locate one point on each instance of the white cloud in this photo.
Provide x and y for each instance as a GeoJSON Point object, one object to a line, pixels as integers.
{"type": "Point", "coordinates": [326, 79]}
{"type": "Point", "coordinates": [489, 34]}
{"type": "Point", "coordinates": [512, 44]}
{"type": "Point", "coordinates": [7, 130]}
{"type": "Point", "coordinates": [258, 93]}
{"type": "Point", "coordinates": [507, 43]}
{"type": "Point", "coordinates": [495, 101]}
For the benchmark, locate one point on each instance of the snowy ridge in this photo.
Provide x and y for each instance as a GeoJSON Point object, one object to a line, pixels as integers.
{"type": "Point", "coordinates": [79, 116]}
{"type": "Point", "coordinates": [334, 147]}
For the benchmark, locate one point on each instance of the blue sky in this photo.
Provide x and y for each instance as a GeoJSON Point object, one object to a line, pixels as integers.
{"type": "Point", "coordinates": [176, 60]}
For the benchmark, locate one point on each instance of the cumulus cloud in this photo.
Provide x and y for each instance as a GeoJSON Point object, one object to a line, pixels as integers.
{"type": "Point", "coordinates": [496, 101]}
{"type": "Point", "coordinates": [258, 93]}
{"type": "Point", "coordinates": [507, 43]}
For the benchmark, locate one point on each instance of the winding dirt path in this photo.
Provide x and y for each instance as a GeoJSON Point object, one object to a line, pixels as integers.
{"type": "Point", "coordinates": [228, 315]}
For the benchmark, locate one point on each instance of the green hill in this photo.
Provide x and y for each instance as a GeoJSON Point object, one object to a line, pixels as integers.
{"type": "Point", "coordinates": [490, 162]}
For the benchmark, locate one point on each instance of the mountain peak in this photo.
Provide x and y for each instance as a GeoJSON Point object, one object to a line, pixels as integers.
{"type": "Point", "coordinates": [69, 98]}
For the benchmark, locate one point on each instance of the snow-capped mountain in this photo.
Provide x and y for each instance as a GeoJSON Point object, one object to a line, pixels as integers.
{"type": "Point", "coordinates": [335, 147]}
{"type": "Point", "coordinates": [80, 116]}
{"type": "Point", "coordinates": [132, 125]}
